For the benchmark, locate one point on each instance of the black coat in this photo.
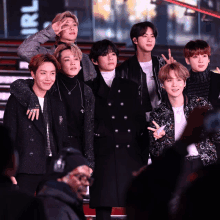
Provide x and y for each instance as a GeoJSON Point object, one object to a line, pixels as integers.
{"type": "Point", "coordinates": [30, 137]}
{"type": "Point", "coordinates": [119, 127]}
{"type": "Point", "coordinates": [16, 205]}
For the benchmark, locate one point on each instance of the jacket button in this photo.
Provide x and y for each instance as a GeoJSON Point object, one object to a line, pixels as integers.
{"type": "Point", "coordinates": [128, 146]}
{"type": "Point", "coordinates": [122, 103]}
{"type": "Point", "coordinates": [29, 126]}
{"type": "Point", "coordinates": [125, 117]}
{"type": "Point", "coordinates": [129, 130]}
{"type": "Point", "coordinates": [31, 154]}
{"type": "Point", "coordinates": [119, 91]}
{"type": "Point", "coordinates": [109, 103]}
{"type": "Point", "coordinates": [117, 146]}
{"type": "Point", "coordinates": [113, 117]}
{"type": "Point", "coordinates": [116, 130]}
{"type": "Point", "coordinates": [31, 139]}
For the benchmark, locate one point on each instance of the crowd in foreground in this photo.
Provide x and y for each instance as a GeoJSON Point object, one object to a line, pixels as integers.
{"type": "Point", "coordinates": [82, 121]}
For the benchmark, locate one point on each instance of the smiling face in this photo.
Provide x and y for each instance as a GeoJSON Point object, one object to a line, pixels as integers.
{"type": "Point", "coordinates": [69, 35]}
{"type": "Point", "coordinates": [107, 62]}
{"type": "Point", "coordinates": [198, 63]}
{"type": "Point", "coordinates": [44, 78]}
{"type": "Point", "coordinates": [70, 64]}
{"type": "Point", "coordinates": [146, 42]}
{"type": "Point", "coordinates": [174, 85]}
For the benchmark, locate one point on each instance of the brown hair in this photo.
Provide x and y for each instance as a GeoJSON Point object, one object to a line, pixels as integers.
{"type": "Point", "coordinates": [196, 47]}
{"type": "Point", "coordinates": [38, 59]}
{"type": "Point", "coordinates": [61, 16]}
{"type": "Point", "coordinates": [74, 49]}
{"type": "Point", "coordinates": [179, 70]}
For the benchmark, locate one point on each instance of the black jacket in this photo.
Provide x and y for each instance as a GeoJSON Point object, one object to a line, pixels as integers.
{"type": "Point", "coordinates": [131, 69]}
{"type": "Point", "coordinates": [21, 90]}
{"type": "Point", "coordinates": [30, 137]}
{"type": "Point", "coordinates": [60, 202]}
{"type": "Point", "coordinates": [119, 143]}
{"type": "Point", "coordinates": [16, 205]}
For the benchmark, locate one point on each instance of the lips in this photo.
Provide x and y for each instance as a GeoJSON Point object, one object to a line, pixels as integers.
{"type": "Point", "coordinates": [200, 66]}
{"type": "Point", "coordinates": [149, 45]}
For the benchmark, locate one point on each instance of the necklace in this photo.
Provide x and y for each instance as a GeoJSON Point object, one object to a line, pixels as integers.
{"type": "Point", "coordinates": [70, 91]}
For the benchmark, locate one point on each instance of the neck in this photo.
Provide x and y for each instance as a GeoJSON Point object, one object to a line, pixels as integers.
{"type": "Point", "coordinates": [143, 56]}
{"type": "Point", "coordinates": [176, 101]}
{"type": "Point", "coordinates": [38, 92]}
{"type": "Point", "coordinates": [67, 41]}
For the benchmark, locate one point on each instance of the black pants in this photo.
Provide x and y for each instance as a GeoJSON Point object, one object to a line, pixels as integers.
{"type": "Point", "coordinates": [103, 213]}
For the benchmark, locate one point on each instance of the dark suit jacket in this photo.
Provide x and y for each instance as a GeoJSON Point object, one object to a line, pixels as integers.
{"type": "Point", "coordinates": [29, 136]}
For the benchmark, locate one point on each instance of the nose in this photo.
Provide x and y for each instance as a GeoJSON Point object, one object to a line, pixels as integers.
{"type": "Point", "coordinates": [200, 58]}
{"type": "Point", "coordinates": [174, 83]}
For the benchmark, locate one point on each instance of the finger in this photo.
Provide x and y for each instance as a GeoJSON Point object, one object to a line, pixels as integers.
{"type": "Point", "coordinates": [27, 113]}
{"type": "Point", "coordinates": [156, 125]}
{"type": "Point", "coordinates": [217, 69]}
{"type": "Point", "coordinates": [33, 116]}
{"type": "Point", "coordinates": [169, 53]}
{"type": "Point", "coordinates": [151, 129]}
{"type": "Point", "coordinates": [37, 113]}
{"type": "Point", "coordinates": [164, 57]}
{"type": "Point", "coordinates": [30, 114]}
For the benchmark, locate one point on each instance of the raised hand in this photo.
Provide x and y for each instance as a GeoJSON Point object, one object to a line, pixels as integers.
{"type": "Point", "coordinates": [59, 26]}
{"type": "Point", "coordinates": [158, 132]}
{"type": "Point", "coordinates": [171, 59]}
{"type": "Point", "coordinates": [33, 113]}
{"type": "Point", "coordinates": [217, 69]}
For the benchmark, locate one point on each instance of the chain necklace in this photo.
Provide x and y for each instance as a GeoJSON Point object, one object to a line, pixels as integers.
{"type": "Point", "coordinates": [70, 91]}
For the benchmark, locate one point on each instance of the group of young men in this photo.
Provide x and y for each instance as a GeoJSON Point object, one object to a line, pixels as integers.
{"type": "Point", "coordinates": [90, 104]}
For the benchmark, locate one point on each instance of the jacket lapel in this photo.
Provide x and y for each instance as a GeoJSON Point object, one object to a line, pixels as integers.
{"type": "Point", "coordinates": [39, 124]}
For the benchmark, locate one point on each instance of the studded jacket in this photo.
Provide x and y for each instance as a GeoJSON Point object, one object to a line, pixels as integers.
{"type": "Point", "coordinates": [164, 115]}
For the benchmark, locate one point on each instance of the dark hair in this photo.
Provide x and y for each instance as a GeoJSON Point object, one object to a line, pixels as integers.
{"type": "Point", "coordinates": [101, 48]}
{"type": "Point", "coordinates": [196, 47]}
{"type": "Point", "coordinates": [7, 148]}
{"type": "Point", "coordinates": [38, 59]}
{"type": "Point", "coordinates": [140, 29]}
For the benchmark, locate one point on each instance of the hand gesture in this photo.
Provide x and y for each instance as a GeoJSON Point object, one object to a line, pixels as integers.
{"type": "Point", "coordinates": [33, 113]}
{"type": "Point", "coordinates": [217, 69]}
{"type": "Point", "coordinates": [171, 59]}
{"type": "Point", "coordinates": [157, 133]}
{"type": "Point", "coordinates": [59, 26]}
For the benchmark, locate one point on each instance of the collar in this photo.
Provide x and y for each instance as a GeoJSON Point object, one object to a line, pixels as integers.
{"type": "Point", "coordinates": [200, 76]}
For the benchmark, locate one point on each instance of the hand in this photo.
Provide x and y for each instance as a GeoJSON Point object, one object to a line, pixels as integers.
{"type": "Point", "coordinates": [171, 59]}
{"type": "Point", "coordinates": [217, 69]}
{"type": "Point", "coordinates": [59, 26]}
{"type": "Point", "coordinates": [14, 181]}
{"type": "Point", "coordinates": [33, 113]}
{"type": "Point", "coordinates": [137, 173]}
{"type": "Point", "coordinates": [155, 134]}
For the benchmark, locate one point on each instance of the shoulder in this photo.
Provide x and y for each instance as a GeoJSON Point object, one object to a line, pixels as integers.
{"type": "Point", "coordinates": [128, 83]}
{"type": "Point", "coordinates": [195, 101]}
{"type": "Point", "coordinates": [128, 62]}
{"type": "Point", "coordinates": [162, 107]}
{"type": "Point", "coordinates": [159, 60]}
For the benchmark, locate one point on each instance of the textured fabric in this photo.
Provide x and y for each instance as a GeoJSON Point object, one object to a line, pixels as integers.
{"type": "Point", "coordinates": [163, 115]}
{"type": "Point", "coordinates": [60, 202]}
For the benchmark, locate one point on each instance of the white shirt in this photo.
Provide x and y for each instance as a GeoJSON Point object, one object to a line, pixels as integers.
{"type": "Point", "coordinates": [180, 124]}
{"type": "Point", "coordinates": [108, 77]}
{"type": "Point", "coordinates": [41, 101]}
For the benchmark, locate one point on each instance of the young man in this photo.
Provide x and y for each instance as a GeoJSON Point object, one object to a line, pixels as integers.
{"type": "Point", "coordinates": [202, 82]}
{"type": "Point", "coordinates": [76, 96]}
{"type": "Point", "coordinates": [37, 141]}
{"type": "Point", "coordinates": [143, 68]}
{"type": "Point", "coordinates": [119, 127]}
{"type": "Point", "coordinates": [65, 186]}
{"type": "Point", "coordinates": [64, 28]}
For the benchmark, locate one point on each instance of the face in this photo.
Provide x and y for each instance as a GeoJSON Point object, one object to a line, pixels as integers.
{"type": "Point", "coordinates": [44, 78]}
{"type": "Point", "coordinates": [78, 180]}
{"type": "Point", "coordinates": [107, 62]}
{"type": "Point", "coordinates": [70, 64]}
{"type": "Point", "coordinates": [198, 63]}
{"type": "Point", "coordinates": [146, 42]}
{"type": "Point", "coordinates": [174, 85]}
{"type": "Point", "coordinates": [69, 34]}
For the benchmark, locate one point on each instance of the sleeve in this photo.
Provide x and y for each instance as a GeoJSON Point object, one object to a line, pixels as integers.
{"type": "Point", "coordinates": [10, 117]}
{"type": "Point", "coordinates": [21, 89]}
{"type": "Point", "coordinates": [32, 45]}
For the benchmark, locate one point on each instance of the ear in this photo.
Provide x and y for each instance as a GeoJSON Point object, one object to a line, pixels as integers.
{"type": "Point", "coordinates": [95, 62]}
{"type": "Point", "coordinates": [187, 61]}
{"type": "Point", "coordinates": [135, 40]}
{"type": "Point", "coordinates": [32, 74]}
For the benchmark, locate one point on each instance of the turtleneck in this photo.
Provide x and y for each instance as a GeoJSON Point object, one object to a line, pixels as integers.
{"type": "Point", "coordinates": [198, 84]}
{"type": "Point", "coordinates": [69, 82]}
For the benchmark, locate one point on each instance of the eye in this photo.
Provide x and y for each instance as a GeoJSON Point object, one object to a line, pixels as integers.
{"type": "Point", "coordinates": [168, 80]}
{"type": "Point", "coordinates": [53, 73]}
{"type": "Point", "coordinates": [195, 56]}
{"type": "Point", "coordinates": [66, 60]}
{"type": "Point", "coordinates": [205, 55]}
